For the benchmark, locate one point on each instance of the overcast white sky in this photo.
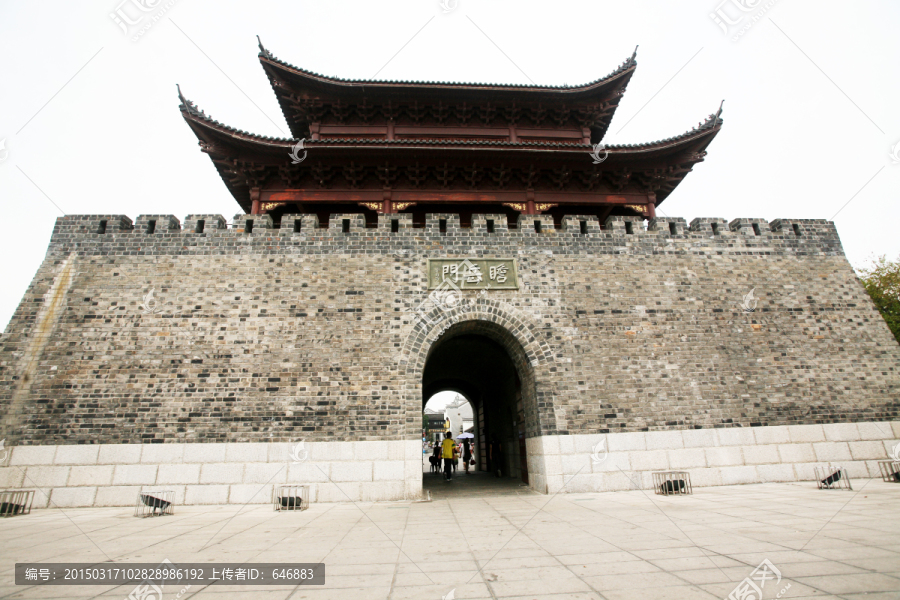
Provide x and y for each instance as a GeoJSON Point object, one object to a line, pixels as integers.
{"type": "Point", "coordinates": [91, 123]}
{"type": "Point", "coordinates": [440, 400]}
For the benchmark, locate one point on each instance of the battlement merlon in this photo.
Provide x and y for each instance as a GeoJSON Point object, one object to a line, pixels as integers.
{"type": "Point", "coordinates": [165, 234]}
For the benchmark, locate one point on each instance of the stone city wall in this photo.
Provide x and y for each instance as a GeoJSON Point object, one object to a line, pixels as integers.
{"type": "Point", "coordinates": [153, 333]}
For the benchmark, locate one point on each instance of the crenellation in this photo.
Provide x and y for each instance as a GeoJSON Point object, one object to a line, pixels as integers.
{"type": "Point", "coordinates": [157, 224]}
{"type": "Point", "coordinates": [88, 224]}
{"type": "Point", "coordinates": [80, 234]}
{"type": "Point", "coordinates": [710, 226]}
{"type": "Point", "coordinates": [309, 224]}
{"type": "Point", "coordinates": [670, 226]}
{"type": "Point", "coordinates": [499, 223]}
{"type": "Point", "coordinates": [291, 224]}
{"type": "Point", "coordinates": [535, 224]}
{"type": "Point", "coordinates": [581, 224]}
{"type": "Point", "coordinates": [252, 224]}
{"type": "Point", "coordinates": [112, 224]}
{"type": "Point", "coordinates": [619, 225]}
{"type": "Point", "coordinates": [443, 224]}
{"type": "Point", "coordinates": [804, 227]}
{"type": "Point", "coordinates": [346, 223]}
{"type": "Point", "coordinates": [750, 227]}
{"type": "Point", "coordinates": [204, 223]}
{"type": "Point", "coordinates": [386, 224]}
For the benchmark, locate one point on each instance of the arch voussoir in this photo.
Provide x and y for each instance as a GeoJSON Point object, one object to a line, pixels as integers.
{"type": "Point", "coordinates": [495, 319]}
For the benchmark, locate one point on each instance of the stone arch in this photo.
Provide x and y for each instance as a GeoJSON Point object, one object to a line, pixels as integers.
{"type": "Point", "coordinates": [501, 323]}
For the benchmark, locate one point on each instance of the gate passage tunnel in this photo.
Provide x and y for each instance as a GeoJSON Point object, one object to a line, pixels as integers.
{"type": "Point", "coordinates": [474, 359]}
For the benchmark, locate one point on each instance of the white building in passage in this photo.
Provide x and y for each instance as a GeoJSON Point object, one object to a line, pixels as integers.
{"type": "Point", "coordinates": [459, 413]}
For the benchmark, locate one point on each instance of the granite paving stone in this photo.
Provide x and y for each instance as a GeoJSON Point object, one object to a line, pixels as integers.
{"type": "Point", "coordinates": [601, 546]}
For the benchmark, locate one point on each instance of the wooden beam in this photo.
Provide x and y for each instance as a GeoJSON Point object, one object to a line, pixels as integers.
{"type": "Point", "coordinates": [352, 130]}
{"type": "Point", "coordinates": [449, 196]}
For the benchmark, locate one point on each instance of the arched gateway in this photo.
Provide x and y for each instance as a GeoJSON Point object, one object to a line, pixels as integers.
{"type": "Point", "coordinates": [412, 237]}
{"type": "Point", "coordinates": [490, 352]}
{"type": "Point", "coordinates": [490, 367]}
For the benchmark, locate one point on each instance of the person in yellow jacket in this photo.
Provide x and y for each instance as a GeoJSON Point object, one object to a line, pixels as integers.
{"type": "Point", "coordinates": [448, 451]}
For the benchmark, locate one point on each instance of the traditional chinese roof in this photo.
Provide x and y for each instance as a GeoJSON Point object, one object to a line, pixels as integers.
{"type": "Point", "coordinates": [307, 97]}
{"type": "Point", "coordinates": [437, 140]}
{"type": "Point", "coordinates": [246, 160]}
{"type": "Point", "coordinates": [627, 65]}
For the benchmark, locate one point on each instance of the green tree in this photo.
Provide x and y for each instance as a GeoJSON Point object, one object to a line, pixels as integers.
{"type": "Point", "coordinates": [882, 282]}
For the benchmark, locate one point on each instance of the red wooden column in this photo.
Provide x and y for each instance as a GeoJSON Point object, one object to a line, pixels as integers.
{"type": "Point", "coordinates": [651, 206]}
{"type": "Point", "coordinates": [254, 197]}
{"type": "Point", "coordinates": [529, 202]}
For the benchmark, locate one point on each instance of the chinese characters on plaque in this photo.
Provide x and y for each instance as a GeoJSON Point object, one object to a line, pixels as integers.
{"type": "Point", "coordinates": [473, 273]}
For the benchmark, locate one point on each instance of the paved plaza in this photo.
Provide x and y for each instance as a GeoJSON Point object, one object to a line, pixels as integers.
{"type": "Point", "coordinates": [619, 545]}
{"type": "Point", "coordinates": [473, 485]}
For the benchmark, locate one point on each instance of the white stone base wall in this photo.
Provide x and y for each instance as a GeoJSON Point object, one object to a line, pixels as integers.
{"type": "Point", "coordinates": [231, 473]}
{"type": "Point", "coordinates": [241, 473]}
{"type": "Point", "coordinates": [726, 456]}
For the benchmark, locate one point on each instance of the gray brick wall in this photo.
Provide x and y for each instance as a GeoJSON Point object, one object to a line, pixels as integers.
{"type": "Point", "coordinates": [232, 335]}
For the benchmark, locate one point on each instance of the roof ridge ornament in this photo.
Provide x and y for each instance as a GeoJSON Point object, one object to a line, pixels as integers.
{"type": "Point", "coordinates": [188, 105]}
{"type": "Point", "coordinates": [712, 120]}
{"type": "Point", "coordinates": [262, 49]}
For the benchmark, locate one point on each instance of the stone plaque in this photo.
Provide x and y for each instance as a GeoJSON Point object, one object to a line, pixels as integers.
{"type": "Point", "coordinates": [473, 273]}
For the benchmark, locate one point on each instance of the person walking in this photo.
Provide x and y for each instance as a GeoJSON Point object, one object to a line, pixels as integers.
{"type": "Point", "coordinates": [447, 448]}
{"type": "Point", "coordinates": [455, 456]}
{"type": "Point", "coordinates": [467, 454]}
{"type": "Point", "coordinates": [436, 459]}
